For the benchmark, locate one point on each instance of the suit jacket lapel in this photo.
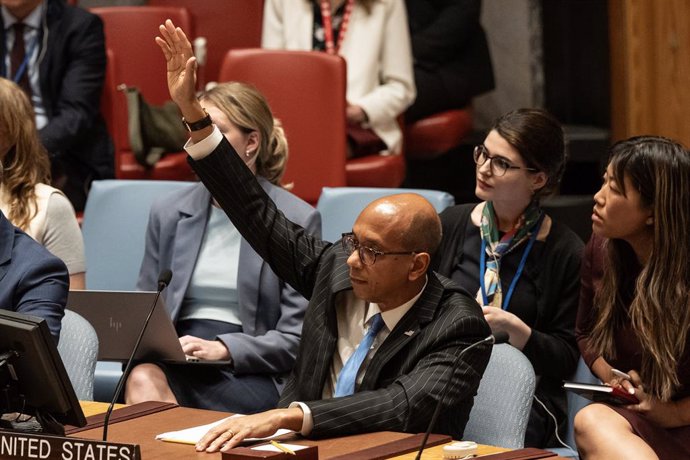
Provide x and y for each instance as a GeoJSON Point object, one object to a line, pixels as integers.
{"type": "Point", "coordinates": [327, 336]}
{"type": "Point", "coordinates": [6, 244]}
{"type": "Point", "coordinates": [407, 329]}
{"type": "Point", "coordinates": [188, 236]}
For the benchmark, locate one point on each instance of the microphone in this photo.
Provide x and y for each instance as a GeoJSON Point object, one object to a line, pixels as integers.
{"type": "Point", "coordinates": [163, 280]}
{"type": "Point", "coordinates": [499, 337]}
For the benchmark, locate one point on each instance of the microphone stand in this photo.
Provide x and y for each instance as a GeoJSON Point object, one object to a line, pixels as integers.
{"type": "Point", "coordinates": [163, 280]}
{"type": "Point", "coordinates": [499, 337]}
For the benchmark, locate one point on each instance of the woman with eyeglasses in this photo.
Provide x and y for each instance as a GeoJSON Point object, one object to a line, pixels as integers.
{"type": "Point", "coordinates": [522, 266]}
{"type": "Point", "coordinates": [634, 311]}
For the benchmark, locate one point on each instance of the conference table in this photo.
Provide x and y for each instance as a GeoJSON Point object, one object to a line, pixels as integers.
{"type": "Point", "coordinates": [140, 424]}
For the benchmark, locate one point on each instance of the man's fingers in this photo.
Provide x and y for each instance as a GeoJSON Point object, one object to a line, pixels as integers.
{"type": "Point", "coordinates": [236, 440]}
{"type": "Point", "coordinates": [224, 438]}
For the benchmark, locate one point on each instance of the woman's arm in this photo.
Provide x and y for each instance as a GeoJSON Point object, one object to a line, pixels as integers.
{"type": "Point", "coordinates": [63, 238]}
{"type": "Point", "coordinates": [551, 346]}
{"type": "Point", "coordinates": [397, 90]}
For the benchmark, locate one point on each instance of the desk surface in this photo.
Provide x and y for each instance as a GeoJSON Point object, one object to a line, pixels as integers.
{"type": "Point", "coordinates": [142, 431]}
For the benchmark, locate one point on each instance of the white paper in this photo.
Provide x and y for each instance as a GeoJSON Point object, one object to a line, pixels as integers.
{"type": "Point", "coordinates": [194, 434]}
{"type": "Point", "coordinates": [272, 448]}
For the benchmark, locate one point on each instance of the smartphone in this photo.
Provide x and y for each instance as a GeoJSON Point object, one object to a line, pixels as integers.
{"type": "Point", "coordinates": [621, 374]}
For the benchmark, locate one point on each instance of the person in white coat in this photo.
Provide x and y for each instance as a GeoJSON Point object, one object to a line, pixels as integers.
{"type": "Point", "coordinates": [372, 36]}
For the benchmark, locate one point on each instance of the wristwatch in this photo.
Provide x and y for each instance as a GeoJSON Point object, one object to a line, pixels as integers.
{"type": "Point", "coordinates": [199, 124]}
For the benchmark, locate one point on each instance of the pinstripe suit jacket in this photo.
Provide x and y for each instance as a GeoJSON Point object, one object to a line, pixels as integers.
{"type": "Point", "coordinates": [404, 379]}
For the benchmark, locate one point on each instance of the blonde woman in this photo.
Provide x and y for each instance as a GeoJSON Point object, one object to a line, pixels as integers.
{"type": "Point", "coordinates": [634, 311]}
{"type": "Point", "coordinates": [225, 300]}
{"type": "Point", "coordinates": [25, 198]}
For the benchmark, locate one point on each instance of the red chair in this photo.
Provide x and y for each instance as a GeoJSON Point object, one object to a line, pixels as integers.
{"type": "Point", "coordinates": [134, 59]}
{"type": "Point", "coordinates": [226, 24]}
{"type": "Point", "coordinates": [306, 91]}
{"type": "Point", "coordinates": [433, 136]}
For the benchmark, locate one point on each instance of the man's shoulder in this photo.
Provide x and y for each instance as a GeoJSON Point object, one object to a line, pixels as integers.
{"type": "Point", "coordinates": [67, 16]}
{"type": "Point", "coordinates": [29, 255]}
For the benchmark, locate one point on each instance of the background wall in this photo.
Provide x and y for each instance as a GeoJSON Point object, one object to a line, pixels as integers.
{"type": "Point", "coordinates": [650, 65]}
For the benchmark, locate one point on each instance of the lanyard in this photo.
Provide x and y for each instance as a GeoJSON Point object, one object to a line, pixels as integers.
{"type": "Point", "coordinates": [518, 273]}
{"type": "Point", "coordinates": [19, 73]}
{"type": "Point", "coordinates": [326, 18]}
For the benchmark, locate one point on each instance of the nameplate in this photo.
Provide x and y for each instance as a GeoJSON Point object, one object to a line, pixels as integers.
{"type": "Point", "coordinates": [42, 446]}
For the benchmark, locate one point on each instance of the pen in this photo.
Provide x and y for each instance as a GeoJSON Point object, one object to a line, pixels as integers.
{"type": "Point", "coordinates": [283, 448]}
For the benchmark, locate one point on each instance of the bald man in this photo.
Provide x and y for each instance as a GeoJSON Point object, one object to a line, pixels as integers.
{"type": "Point", "coordinates": [373, 287]}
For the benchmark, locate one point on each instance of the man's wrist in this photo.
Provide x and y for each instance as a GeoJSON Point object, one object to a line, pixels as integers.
{"type": "Point", "coordinates": [292, 418]}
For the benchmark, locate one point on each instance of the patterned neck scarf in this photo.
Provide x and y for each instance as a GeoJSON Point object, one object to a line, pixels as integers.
{"type": "Point", "coordinates": [497, 246]}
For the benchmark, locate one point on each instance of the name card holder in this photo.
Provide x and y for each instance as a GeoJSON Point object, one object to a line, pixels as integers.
{"type": "Point", "coordinates": [19, 445]}
{"type": "Point", "coordinates": [251, 453]}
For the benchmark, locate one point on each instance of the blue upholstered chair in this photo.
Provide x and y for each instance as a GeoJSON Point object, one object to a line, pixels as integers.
{"type": "Point", "coordinates": [504, 399]}
{"type": "Point", "coordinates": [114, 229]}
{"type": "Point", "coordinates": [340, 206]}
{"type": "Point", "coordinates": [78, 348]}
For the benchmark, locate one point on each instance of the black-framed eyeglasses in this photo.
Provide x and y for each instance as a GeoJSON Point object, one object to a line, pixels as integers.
{"type": "Point", "coordinates": [366, 254]}
{"type": "Point", "coordinates": [499, 165]}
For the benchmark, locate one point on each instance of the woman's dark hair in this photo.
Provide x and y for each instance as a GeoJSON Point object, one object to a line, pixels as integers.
{"type": "Point", "coordinates": [538, 137]}
{"type": "Point", "coordinates": [653, 296]}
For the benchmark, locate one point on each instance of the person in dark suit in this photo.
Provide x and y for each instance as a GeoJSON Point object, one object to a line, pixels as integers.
{"type": "Point", "coordinates": [452, 63]}
{"type": "Point", "coordinates": [371, 289]}
{"type": "Point", "coordinates": [32, 280]}
{"type": "Point", "coordinates": [241, 312]}
{"type": "Point", "coordinates": [64, 49]}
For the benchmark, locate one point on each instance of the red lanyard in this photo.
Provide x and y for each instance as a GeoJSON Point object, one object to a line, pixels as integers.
{"type": "Point", "coordinates": [331, 47]}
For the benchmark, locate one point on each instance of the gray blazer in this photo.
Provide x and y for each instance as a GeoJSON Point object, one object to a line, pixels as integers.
{"type": "Point", "coordinates": [271, 311]}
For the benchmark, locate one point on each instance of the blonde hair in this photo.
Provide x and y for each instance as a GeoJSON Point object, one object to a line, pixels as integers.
{"type": "Point", "coordinates": [247, 108]}
{"type": "Point", "coordinates": [26, 161]}
{"type": "Point", "coordinates": [652, 297]}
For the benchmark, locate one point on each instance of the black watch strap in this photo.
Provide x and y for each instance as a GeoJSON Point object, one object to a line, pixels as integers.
{"type": "Point", "coordinates": [199, 124]}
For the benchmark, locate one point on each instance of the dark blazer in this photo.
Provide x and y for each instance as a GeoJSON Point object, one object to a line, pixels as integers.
{"type": "Point", "coordinates": [72, 72]}
{"type": "Point", "coordinates": [403, 381]}
{"type": "Point", "coordinates": [449, 42]}
{"type": "Point", "coordinates": [270, 310]}
{"type": "Point", "coordinates": [32, 280]}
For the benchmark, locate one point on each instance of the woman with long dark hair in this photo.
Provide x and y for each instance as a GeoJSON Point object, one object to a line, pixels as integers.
{"type": "Point", "coordinates": [634, 311]}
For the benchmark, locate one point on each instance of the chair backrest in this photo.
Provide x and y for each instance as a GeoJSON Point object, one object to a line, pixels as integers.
{"type": "Point", "coordinates": [306, 92]}
{"type": "Point", "coordinates": [114, 229]}
{"type": "Point", "coordinates": [573, 211]}
{"type": "Point", "coordinates": [78, 348]}
{"type": "Point", "coordinates": [130, 32]}
{"type": "Point", "coordinates": [340, 206]}
{"type": "Point", "coordinates": [225, 24]}
{"type": "Point", "coordinates": [114, 109]}
{"type": "Point", "coordinates": [504, 400]}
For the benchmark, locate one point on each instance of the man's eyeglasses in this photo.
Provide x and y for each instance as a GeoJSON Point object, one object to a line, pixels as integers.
{"type": "Point", "coordinates": [366, 254]}
{"type": "Point", "coordinates": [498, 165]}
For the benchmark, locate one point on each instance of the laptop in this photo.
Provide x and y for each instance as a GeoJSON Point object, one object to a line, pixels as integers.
{"type": "Point", "coordinates": [118, 316]}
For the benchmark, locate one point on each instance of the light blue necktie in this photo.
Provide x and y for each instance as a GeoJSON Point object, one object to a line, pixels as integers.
{"type": "Point", "coordinates": [348, 375]}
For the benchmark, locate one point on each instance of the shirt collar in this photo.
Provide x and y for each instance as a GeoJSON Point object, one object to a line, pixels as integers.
{"type": "Point", "coordinates": [32, 20]}
{"type": "Point", "coordinates": [392, 317]}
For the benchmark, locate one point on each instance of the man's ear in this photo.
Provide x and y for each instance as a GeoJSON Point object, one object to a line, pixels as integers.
{"type": "Point", "coordinates": [420, 265]}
